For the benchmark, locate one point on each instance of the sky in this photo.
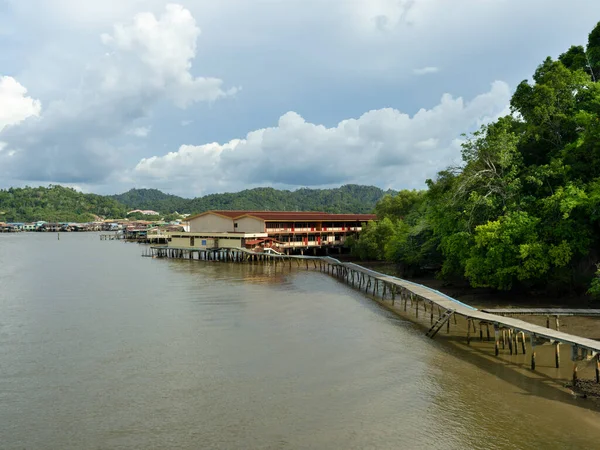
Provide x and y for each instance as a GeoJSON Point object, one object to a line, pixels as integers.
{"type": "Point", "coordinates": [198, 96]}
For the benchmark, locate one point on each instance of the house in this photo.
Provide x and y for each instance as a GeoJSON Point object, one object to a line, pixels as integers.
{"type": "Point", "coordinates": [282, 231]}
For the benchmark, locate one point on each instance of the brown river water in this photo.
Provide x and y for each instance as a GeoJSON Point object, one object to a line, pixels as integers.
{"type": "Point", "coordinates": [103, 349]}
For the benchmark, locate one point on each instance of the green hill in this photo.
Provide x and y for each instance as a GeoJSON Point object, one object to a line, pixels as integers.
{"type": "Point", "coordinates": [62, 204]}
{"type": "Point", "coordinates": [346, 199]}
{"type": "Point", "coordinates": [55, 204]}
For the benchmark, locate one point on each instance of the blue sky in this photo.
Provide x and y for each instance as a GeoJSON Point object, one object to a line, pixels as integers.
{"type": "Point", "coordinates": [194, 97]}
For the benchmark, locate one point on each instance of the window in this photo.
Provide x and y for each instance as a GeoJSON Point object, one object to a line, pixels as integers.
{"type": "Point", "coordinates": [234, 224]}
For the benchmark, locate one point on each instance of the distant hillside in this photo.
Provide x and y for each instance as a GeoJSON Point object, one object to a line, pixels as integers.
{"type": "Point", "coordinates": [55, 204]}
{"type": "Point", "coordinates": [350, 198]}
{"type": "Point", "coordinates": [151, 199]}
{"type": "Point", "coordinates": [62, 204]}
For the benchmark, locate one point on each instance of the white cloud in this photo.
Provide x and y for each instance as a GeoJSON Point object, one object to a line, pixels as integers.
{"type": "Point", "coordinates": [426, 70]}
{"type": "Point", "coordinates": [162, 48]}
{"type": "Point", "coordinates": [15, 106]}
{"type": "Point", "coordinates": [149, 62]}
{"type": "Point", "coordinates": [140, 132]}
{"type": "Point", "coordinates": [185, 123]}
{"type": "Point", "coordinates": [384, 146]}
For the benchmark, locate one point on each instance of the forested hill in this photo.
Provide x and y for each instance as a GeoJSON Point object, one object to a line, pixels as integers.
{"type": "Point", "coordinates": [62, 204]}
{"type": "Point", "coordinates": [346, 199]}
{"type": "Point", "coordinates": [55, 204]}
{"type": "Point", "coordinates": [523, 209]}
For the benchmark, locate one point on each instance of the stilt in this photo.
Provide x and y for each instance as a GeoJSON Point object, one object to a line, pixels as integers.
{"type": "Point", "coordinates": [532, 337]}
{"type": "Point", "coordinates": [574, 359]}
{"type": "Point", "coordinates": [468, 331]}
{"type": "Point", "coordinates": [497, 337]}
{"type": "Point", "coordinates": [523, 342]}
{"type": "Point", "coordinates": [598, 368]}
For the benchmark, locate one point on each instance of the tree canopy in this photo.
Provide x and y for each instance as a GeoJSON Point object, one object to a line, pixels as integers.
{"type": "Point", "coordinates": [523, 208]}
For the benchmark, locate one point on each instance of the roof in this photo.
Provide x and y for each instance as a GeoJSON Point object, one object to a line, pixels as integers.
{"type": "Point", "coordinates": [289, 215]}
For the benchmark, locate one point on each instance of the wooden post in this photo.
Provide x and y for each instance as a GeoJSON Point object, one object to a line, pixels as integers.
{"type": "Point", "coordinates": [523, 342]}
{"type": "Point", "coordinates": [497, 337]}
{"type": "Point", "coordinates": [417, 309]}
{"type": "Point", "coordinates": [574, 359]}
{"type": "Point", "coordinates": [468, 331]}
{"type": "Point", "coordinates": [547, 321]}
{"type": "Point", "coordinates": [557, 354]}
{"type": "Point", "coordinates": [510, 341]}
{"type": "Point", "coordinates": [532, 337]}
{"type": "Point", "coordinates": [598, 368]}
{"type": "Point", "coordinates": [448, 325]}
{"type": "Point", "coordinates": [503, 339]}
{"type": "Point", "coordinates": [431, 315]}
{"type": "Point", "coordinates": [487, 331]}
{"type": "Point", "coordinates": [557, 324]}
{"type": "Point", "coordinates": [480, 331]}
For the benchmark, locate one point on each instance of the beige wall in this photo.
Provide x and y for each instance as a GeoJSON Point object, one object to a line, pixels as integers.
{"type": "Point", "coordinates": [229, 242]}
{"type": "Point", "coordinates": [250, 225]}
{"type": "Point", "coordinates": [211, 223]}
{"type": "Point", "coordinates": [185, 242]}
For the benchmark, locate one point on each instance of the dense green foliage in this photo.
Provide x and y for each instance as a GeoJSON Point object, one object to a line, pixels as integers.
{"type": "Point", "coordinates": [524, 207]}
{"type": "Point", "coordinates": [61, 204]}
{"type": "Point", "coordinates": [346, 199]}
{"type": "Point", "coordinates": [152, 199]}
{"type": "Point", "coordinates": [55, 204]}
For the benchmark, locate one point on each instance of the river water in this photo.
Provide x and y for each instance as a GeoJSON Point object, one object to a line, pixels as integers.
{"type": "Point", "coordinates": [101, 348]}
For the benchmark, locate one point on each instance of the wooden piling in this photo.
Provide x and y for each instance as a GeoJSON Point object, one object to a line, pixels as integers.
{"type": "Point", "coordinates": [497, 339]}
{"type": "Point", "coordinates": [532, 338]}
{"type": "Point", "coordinates": [574, 359]}
{"type": "Point", "coordinates": [468, 331]}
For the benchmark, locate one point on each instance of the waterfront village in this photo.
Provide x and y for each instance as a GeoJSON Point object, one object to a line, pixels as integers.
{"type": "Point", "coordinates": [273, 231]}
{"type": "Point", "coordinates": [133, 227]}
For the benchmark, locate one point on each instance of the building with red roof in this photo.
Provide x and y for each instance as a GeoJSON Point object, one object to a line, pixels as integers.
{"type": "Point", "coordinates": [282, 231]}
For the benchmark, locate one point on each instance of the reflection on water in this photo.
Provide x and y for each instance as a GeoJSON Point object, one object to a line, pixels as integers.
{"type": "Point", "coordinates": [100, 348]}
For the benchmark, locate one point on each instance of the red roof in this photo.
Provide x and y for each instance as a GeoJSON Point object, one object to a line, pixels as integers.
{"type": "Point", "coordinates": [292, 216]}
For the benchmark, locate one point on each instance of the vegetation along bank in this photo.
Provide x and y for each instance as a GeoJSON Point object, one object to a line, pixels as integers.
{"type": "Point", "coordinates": [523, 209]}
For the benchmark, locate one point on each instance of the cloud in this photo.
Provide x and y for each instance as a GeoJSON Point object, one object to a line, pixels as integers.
{"type": "Point", "coordinates": [426, 70]}
{"type": "Point", "coordinates": [185, 123]}
{"type": "Point", "coordinates": [384, 146]}
{"type": "Point", "coordinates": [15, 106]}
{"type": "Point", "coordinates": [140, 132]}
{"type": "Point", "coordinates": [163, 48]}
{"type": "Point", "coordinates": [148, 61]}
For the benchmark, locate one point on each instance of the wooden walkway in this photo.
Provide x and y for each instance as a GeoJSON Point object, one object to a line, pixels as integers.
{"type": "Point", "coordinates": [510, 329]}
{"type": "Point", "coordinates": [554, 312]}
